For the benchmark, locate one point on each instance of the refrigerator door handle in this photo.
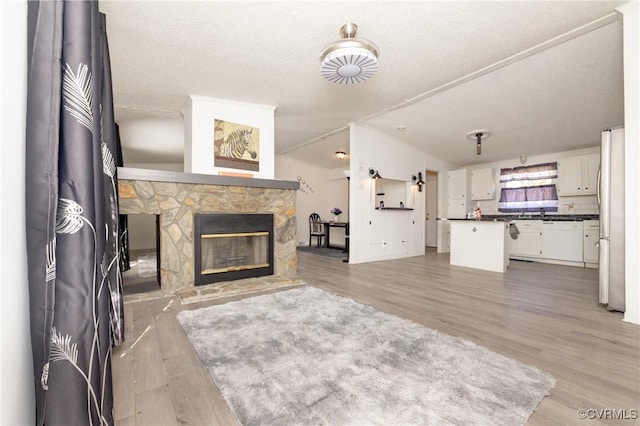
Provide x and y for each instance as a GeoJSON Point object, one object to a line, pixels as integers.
{"type": "Point", "coordinates": [598, 186]}
{"type": "Point", "coordinates": [603, 271]}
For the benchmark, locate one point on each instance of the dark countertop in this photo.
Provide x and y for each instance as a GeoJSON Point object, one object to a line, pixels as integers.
{"type": "Point", "coordinates": [547, 217]}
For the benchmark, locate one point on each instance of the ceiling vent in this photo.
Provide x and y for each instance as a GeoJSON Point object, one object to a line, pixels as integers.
{"type": "Point", "coordinates": [349, 60]}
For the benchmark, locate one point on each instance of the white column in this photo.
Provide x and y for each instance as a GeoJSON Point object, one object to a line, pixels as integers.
{"type": "Point", "coordinates": [631, 42]}
{"type": "Point", "coordinates": [17, 405]}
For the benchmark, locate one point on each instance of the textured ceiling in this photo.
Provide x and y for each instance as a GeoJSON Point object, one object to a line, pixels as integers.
{"type": "Point", "coordinates": [551, 97]}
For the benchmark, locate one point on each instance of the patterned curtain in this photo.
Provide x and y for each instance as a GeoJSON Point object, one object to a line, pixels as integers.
{"type": "Point", "coordinates": [529, 189]}
{"type": "Point", "coordinates": [73, 248]}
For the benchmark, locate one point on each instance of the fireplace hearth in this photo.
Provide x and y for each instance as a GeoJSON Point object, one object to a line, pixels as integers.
{"type": "Point", "coordinates": [231, 246]}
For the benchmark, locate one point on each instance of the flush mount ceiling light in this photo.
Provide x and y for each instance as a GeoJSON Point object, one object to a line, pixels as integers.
{"type": "Point", "coordinates": [340, 154]}
{"type": "Point", "coordinates": [349, 60]}
{"type": "Point", "coordinates": [477, 135]}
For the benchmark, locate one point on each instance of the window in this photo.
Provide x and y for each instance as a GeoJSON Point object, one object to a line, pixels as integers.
{"type": "Point", "coordinates": [529, 189]}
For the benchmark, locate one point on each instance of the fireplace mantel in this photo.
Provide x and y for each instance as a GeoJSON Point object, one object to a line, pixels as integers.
{"type": "Point", "coordinates": [176, 197]}
{"type": "Point", "coordinates": [196, 178]}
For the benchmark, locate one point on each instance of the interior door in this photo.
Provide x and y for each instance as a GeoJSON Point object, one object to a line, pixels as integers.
{"type": "Point", "coordinates": [430, 229]}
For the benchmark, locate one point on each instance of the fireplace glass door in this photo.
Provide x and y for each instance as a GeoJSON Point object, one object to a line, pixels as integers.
{"type": "Point", "coordinates": [234, 252]}
{"type": "Point", "coordinates": [229, 246]}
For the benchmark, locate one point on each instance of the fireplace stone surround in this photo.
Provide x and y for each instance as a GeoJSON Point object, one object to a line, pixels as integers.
{"type": "Point", "coordinates": [176, 197]}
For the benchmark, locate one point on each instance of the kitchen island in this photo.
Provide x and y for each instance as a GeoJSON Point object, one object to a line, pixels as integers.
{"type": "Point", "coordinates": [480, 244]}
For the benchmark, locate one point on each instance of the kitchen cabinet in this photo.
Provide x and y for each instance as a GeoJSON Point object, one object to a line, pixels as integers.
{"type": "Point", "coordinates": [457, 209]}
{"type": "Point", "coordinates": [444, 236]}
{"type": "Point", "coordinates": [590, 242]}
{"type": "Point", "coordinates": [529, 241]}
{"type": "Point", "coordinates": [458, 182]}
{"type": "Point", "coordinates": [483, 184]}
{"type": "Point", "coordinates": [578, 175]}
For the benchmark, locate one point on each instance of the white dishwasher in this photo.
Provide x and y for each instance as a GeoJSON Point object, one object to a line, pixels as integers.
{"type": "Point", "coordinates": [562, 241]}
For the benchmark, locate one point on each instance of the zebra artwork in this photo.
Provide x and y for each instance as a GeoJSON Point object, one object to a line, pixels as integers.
{"type": "Point", "coordinates": [237, 143]}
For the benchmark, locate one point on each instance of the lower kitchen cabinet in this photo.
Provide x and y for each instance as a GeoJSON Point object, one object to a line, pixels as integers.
{"type": "Point", "coordinates": [571, 243]}
{"type": "Point", "coordinates": [529, 241]}
{"type": "Point", "coordinates": [590, 242]}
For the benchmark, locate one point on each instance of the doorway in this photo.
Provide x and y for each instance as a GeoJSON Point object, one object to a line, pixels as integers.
{"type": "Point", "coordinates": [431, 209]}
{"type": "Point", "coordinates": [142, 272]}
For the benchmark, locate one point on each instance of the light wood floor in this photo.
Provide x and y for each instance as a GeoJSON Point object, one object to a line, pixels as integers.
{"type": "Point", "coordinates": [541, 314]}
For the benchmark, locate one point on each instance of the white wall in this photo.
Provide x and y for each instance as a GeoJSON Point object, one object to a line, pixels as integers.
{"type": "Point", "coordinates": [385, 234]}
{"type": "Point", "coordinates": [631, 45]}
{"type": "Point", "coordinates": [161, 137]}
{"type": "Point", "coordinates": [16, 369]}
{"type": "Point", "coordinates": [199, 116]}
{"type": "Point", "coordinates": [584, 204]}
{"type": "Point", "coordinates": [320, 190]}
{"type": "Point", "coordinates": [167, 167]}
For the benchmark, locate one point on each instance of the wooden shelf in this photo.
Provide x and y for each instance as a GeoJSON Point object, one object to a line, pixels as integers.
{"type": "Point", "coordinates": [393, 208]}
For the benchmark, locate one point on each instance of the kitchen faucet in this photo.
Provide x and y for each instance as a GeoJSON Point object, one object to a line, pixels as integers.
{"type": "Point", "coordinates": [541, 212]}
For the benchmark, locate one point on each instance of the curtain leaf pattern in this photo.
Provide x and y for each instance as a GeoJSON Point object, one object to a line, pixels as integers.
{"type": "Point", "coordinates": [78, 95]}
{"type": "Point", "coordinates": [69, 217]}
{"type": "Point", "coordinates": [73, 236]}
{"type": "Point", "coordinates": [529, 189]}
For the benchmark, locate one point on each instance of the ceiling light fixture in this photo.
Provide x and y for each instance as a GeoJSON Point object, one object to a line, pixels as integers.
{"type": "Point", "coordinates": [340, 154]}
{"type": "Point", "coordinates": [477, 135]}
{"type": "Point", "coordinates": [349, 60]}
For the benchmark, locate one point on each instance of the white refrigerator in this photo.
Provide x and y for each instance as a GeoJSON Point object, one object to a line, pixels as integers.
{"type": "Point", "coordinates": [611, 201]}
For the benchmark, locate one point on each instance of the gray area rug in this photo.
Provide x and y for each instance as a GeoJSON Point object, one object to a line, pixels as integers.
{"type": "Point", "coordinates": [305, 356]}
{"type": "Point", "coordinates": [323, 251]}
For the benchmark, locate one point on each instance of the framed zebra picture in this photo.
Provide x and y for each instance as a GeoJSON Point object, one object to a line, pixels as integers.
{"type": "Point", "coordinates": [236, 146]}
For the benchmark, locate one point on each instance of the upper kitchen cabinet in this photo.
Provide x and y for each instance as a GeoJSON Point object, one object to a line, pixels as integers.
{"type": "Point", "coordinates": [458, 193]}
{"type": "Point", "coordinates": [483, 184]}
{"type": "Point", "coordinates": [458, 184]}
{"type": "Point", "coordinates": [578, 175]}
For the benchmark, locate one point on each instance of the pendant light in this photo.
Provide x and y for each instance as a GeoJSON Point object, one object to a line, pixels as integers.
{"type": "Point", "coordinates": [477, 135]}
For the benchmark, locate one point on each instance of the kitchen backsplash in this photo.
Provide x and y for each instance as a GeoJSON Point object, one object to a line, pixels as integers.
{"type": "Point", "coordinates": [584, 204]}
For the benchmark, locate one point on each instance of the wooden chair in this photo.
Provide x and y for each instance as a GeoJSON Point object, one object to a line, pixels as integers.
{"type": "Point", "coordinates": [316, 229]}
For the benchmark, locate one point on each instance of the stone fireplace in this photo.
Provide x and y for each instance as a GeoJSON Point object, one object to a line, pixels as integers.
{"type": "Point", "coordinates": [178, 197]}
